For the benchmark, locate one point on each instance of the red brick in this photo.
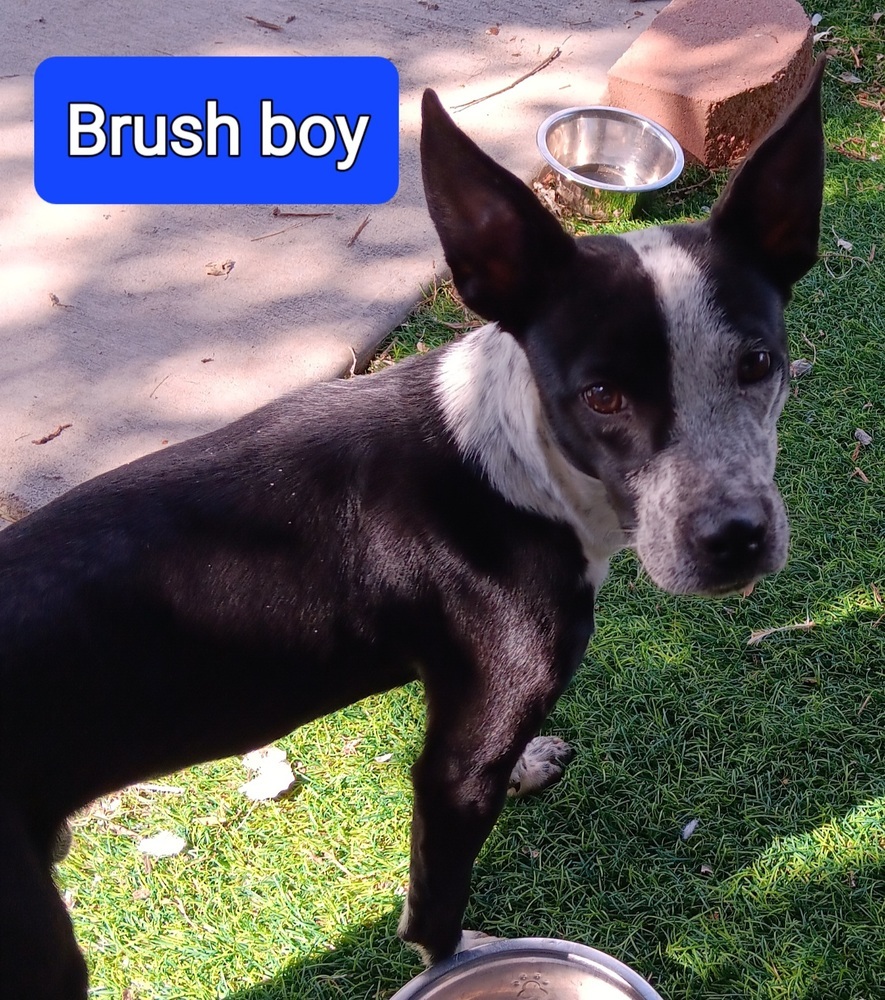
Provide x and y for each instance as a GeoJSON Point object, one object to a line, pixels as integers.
{"type": "Point", "coordinates": [716, 73]}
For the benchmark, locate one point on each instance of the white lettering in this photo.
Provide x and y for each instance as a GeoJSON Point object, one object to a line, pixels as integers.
{"type": "Point", "coordinates": [118, 123]}
{"type": "Point", "coordinates": [268, 121]}
{"type": "Point", "coordinates": [214, 121]}
{"type": "Point", "coordinates": [138, 132]}
{"type": "Point", "coordinates": [78, 128]}
{"type": "Point", "coordinates": [328, 129]}
{"type": "Point", "coordinates": [186, 129]}
{"type": "Point", "coordinates": [352, 140]}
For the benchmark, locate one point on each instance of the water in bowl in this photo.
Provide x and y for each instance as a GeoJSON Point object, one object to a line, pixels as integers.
{"type": "Point", "coordinates": [604, 173]}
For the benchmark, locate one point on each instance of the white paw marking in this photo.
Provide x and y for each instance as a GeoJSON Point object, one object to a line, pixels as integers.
{"type": "Point", "coordinates": [474, 939]}
{"type": "Point", "coordinates": [542, 764]}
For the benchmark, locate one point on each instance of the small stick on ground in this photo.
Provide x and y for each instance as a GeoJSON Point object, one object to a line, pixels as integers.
{"type": "Point", "coordinates": [554, 55]}
{"type": "Point", "coordinates": [263, 24]}
{"type": "Point", "coordinates": [694, 187]}
{"type": "Point", "coordinates": [359, 229]}
{"type": "Point", "coordinates": [157, 386]}
{"type": "Point", "coordinates": [764, 633]}
{"type": "Point", "coordinates": [149, 786]}
{"type": "Point", "coordinates": [812, 345]}
{"type": "Point", "coordinates": [277, 214]}
{"type": "Point", "coordinates": [52, 434]}
{"type": "Point", "coordinates": [279, 232]}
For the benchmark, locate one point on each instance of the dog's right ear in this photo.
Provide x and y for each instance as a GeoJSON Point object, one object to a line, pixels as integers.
{"type": "Point", "coordinates": [502, 245]}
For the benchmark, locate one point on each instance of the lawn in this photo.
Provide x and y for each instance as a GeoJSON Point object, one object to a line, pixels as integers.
{"type": "Point", "coordinates": [771, 753]}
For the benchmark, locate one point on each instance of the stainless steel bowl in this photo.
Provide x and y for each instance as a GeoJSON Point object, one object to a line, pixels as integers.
{"type": "Point", "coordinates": [529, 969]}
{"type": "Point", "coordinates": [601, 160]}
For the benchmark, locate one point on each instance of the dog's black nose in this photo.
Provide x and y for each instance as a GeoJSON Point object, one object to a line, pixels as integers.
{"type": "Point", "coordinates": [735, 543]}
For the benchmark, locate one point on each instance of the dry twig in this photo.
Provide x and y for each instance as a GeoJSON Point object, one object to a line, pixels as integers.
{"type": "Point", "coordinates": [263, 24]}
{"type": "Point", "coordinates": [554, 55]}
{"type": "Point", "coordinates": [764, 633]}
{"type": "Point", "coordinates": [359, 229]}
{"type": "Point", "coordinates": [52, 434]}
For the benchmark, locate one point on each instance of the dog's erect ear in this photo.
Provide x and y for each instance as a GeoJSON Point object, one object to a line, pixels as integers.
{"type": "Point", "coordinates": [771, 206]}
{"type": "Point", "coordinates": [502, 245]}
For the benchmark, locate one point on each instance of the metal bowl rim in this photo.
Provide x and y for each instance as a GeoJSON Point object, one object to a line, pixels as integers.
{"type": "Point", "coordinates": [656, 127]}
{"type": "Point", "coordinates": [414, 989]}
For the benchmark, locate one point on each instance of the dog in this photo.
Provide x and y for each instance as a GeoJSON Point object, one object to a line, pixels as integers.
{"type": "Point", "coordinates": [450, 518]}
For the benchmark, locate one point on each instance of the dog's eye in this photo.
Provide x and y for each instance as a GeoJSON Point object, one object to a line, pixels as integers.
{"type": "Point", "coordinates": [754, 366]}
{"type": "Point", "coordinates": [604, 398]}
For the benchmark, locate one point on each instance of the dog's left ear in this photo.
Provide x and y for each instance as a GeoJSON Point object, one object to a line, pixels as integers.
{"type": "Point", "coordinates": [504, 248]}
{"type": "Point", "coordinates": [771, 206]}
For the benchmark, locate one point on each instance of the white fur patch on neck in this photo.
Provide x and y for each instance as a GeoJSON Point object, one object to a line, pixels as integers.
{"type": "Point", "coordinates": [491, 406]}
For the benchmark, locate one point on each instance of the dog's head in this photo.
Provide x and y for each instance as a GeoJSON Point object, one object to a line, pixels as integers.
{"type": "Point", "coordinates": [660, 357]}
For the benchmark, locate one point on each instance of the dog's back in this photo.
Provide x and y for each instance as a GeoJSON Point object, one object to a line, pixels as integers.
{"type": "Point", "coordinates": [310, 554]}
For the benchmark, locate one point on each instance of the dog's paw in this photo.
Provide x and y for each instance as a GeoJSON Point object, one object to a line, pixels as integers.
{"type": "Point", "coordinates": [474, 939]}
{"type": "Point", "coordinates": [541, 765]}
{"type": "Point", "coordinates": [61, 843]}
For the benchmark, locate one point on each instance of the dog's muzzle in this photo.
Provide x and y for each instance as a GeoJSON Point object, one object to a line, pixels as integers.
{"type": "Point", "coordinates": [699, 532]}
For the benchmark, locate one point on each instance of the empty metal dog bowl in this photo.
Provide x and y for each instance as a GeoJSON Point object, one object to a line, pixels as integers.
{"type": "Point", "coordinates": [601, 160]}
{"type": "Point", "coordinates": [529, 969]}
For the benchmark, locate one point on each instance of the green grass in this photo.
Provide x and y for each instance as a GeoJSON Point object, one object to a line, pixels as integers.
{"type": "Point", "coordinates": [776, 749]}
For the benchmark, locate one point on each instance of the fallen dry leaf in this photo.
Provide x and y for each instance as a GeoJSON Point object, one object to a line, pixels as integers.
{"type": "Point", "coordinates": [216, 270]}
{"type": "Point", "coordinates": [862, 437]}
{"type": "Point", "coordinates": [689, 829]}
{"type": "Point", "coordinates": [274, 776]}
{"type": "Point", "coordinates": [162, 845]}
{"type": "Point", "coordinates": [270, 783]}
{"type": "Point", "coordinates": [255, 760]}
{"type": "Point", "coordinates": [763, 633]}
{"type": "Point", "coordinates": [848, 77]}
{"type": "Point", "coordinates": [800, 367]}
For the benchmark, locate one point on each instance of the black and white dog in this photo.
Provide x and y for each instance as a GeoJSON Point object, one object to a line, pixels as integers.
{"type": "Point", "coordinates": [450, 519]}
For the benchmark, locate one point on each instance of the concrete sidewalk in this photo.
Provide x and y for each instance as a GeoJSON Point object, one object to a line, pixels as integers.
{"type": "Point", "coordinates": [108, 318]}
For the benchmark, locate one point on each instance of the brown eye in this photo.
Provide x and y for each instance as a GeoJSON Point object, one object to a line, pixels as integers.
{"type": "Point", "coordinates": [604, 398]}
{"type": "Point", "coordinates": [754, 366]}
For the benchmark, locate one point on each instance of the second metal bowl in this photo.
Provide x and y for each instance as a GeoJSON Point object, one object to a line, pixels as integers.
{"type": "Point", "coordinates": [601, 159]}
{"type": "Point", "coordinates": [529, 969]}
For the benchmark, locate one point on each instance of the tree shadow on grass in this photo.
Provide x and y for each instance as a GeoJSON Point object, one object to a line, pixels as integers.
{"type": "Point", "coordinates": [779, 891]}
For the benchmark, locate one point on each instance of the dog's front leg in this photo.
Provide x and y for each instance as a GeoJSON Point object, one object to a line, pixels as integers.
{"type": "Point", "coordinates": [460, 786]}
